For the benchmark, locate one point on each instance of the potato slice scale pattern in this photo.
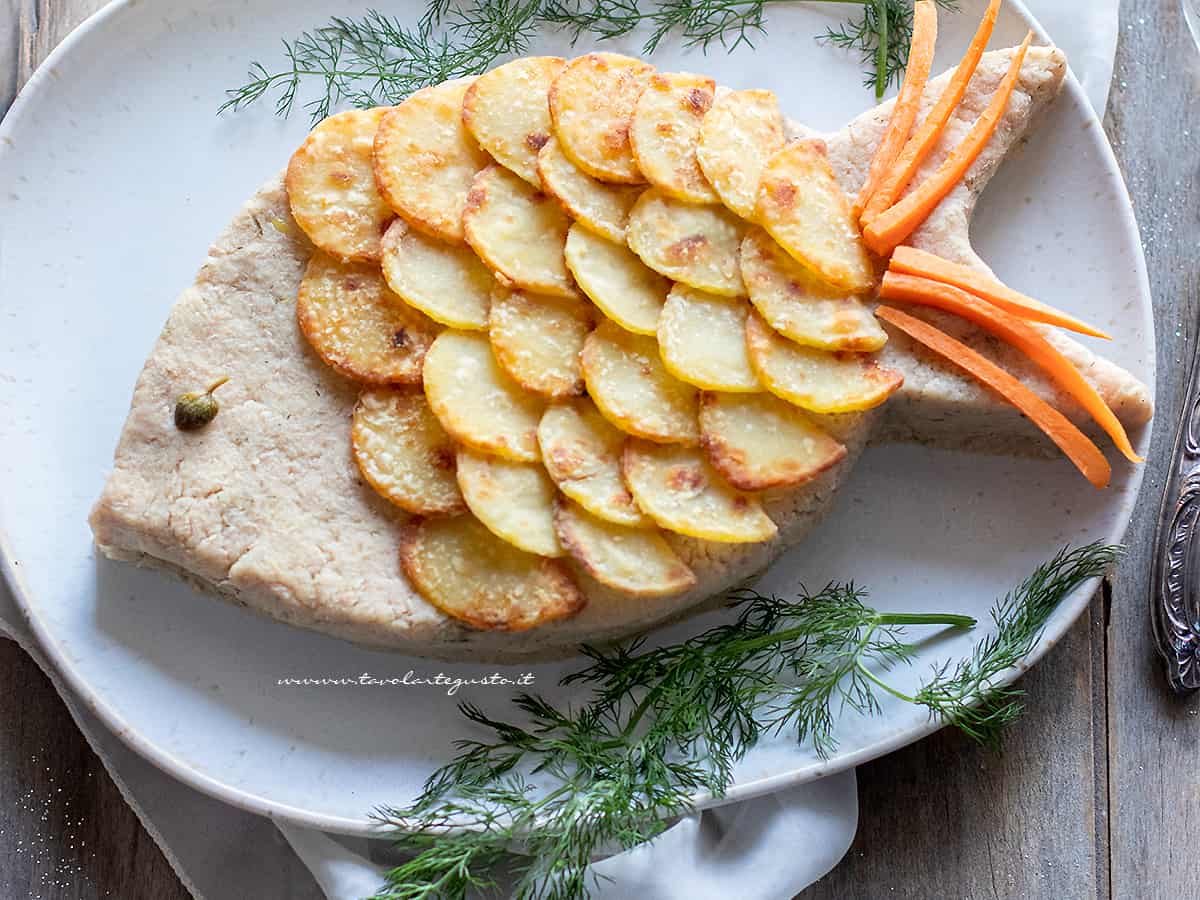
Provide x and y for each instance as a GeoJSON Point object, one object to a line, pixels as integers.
{"type": "Point", "coordinates": [544, 438]}
{"type": "Point", "coordinates": [797, 304]}
{"type": "Point", "coordinates": [537, 341]}
{"type": "Point", "coordinates": [638, 562]}
{"type": "Point", "coordinates": [682, 492]}
{"type": "Point", "coordinates": [813, 379]}
{"type": "Point", "coordinates": [582, 453]}
{"type": "Point", "coordinates": [758, 442]}
{"type": "Point", "coordinates": [476, 402]}
{"type": "Point", "coordinates": [471, 575]}
{"type": "Point", "coordinates": [697, 245]}
{"type": "Point", "coordinates": [331, 186]}
{"type": "Point", "coordinates": [514, 501]}
{"type": "Point", "coordinates": [631, 387]}
{"type": "Point", "coordinates": [702, 340]}
{"type": "Point", "coordinates": [358, 326]}
{"type": "Point", "coordinates": [425, 160]}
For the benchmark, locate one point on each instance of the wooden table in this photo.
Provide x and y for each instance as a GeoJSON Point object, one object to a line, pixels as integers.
{"type": "Point", "coordinates": [1097, 791]}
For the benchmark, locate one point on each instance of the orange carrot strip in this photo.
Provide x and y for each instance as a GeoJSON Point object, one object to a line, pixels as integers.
{"type": "Point", "coordinates": [908, 103]}
{"type": "Point", "coordinates": [889, 228]}
{"type": "Point", "coordinates": [921, 144]}
{"type": "Point", "coordinates": [911, 261]}
{"type": "Point", "coordinates": [1010, 329]}
{"type": "Point", "coordinates": [1073, 442]}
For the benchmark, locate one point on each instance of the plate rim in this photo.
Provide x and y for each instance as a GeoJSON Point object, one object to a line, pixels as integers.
{"type": "Point", "coordinates": [1066, 615]}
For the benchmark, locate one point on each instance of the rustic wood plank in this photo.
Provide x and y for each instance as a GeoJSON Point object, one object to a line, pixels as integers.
{"type": "Point", "coordinates": [1154, 739]}
{"type": "Point", "coordinates": [66, 832]}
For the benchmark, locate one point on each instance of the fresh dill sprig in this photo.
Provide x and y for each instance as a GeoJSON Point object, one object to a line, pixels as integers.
{"type": "Point", "coordinates": [881, 36]}
{"type": "Point", "coordinates": [376, 60]}
{"type": "Point", "coordinates": [539, 801]}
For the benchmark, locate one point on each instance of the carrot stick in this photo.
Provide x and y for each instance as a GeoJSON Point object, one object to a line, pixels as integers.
{"type": "Point", "coordinates": [904, 113]}
{"type": "Point", "coordinates": [889, 228]}
{"type": "Point", "coordinates": [1073, 442]}
{"type": "Point", "coordinates": [911, 261]}
{"type": "Point", "coordinates": [1010, 329]}
{"type": "Point", "coordinates": [921, 144]}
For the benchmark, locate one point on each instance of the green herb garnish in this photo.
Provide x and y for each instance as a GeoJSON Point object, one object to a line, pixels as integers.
{"type": "Point", "coordinates": [376, 60]}
{"type": "Point", "coordinates": [539, 800]}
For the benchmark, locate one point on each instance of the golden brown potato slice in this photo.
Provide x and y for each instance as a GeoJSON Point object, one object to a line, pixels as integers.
{"type": "Point", "coordinates": [800, 306]}
{"type": "Point", "coordinates": [404, 453]}
{"type": "Point", "coordinates": [665, 131]}
{"type": "Point", "coordinates": [697, 245]}
{"type": "Point", "coordinates": [507, 110]}
{"type": "Point", "coordinates": [470, 574]}
{"type": "Point", "coordinates": [619, 283]}
{"type": "Point", "coordinates": [476, 402]}
{"type": "Point", "coordinates": [758, 441]}
{"type": "Point", "coordinates": [519, 232]}
{"type": "Point", "coordinates": [702, 340]}
{"type": "Point", "coordinates": [737, 137]}
{"type": "Point", "coordinates": [804, 209]}
{"type": "Point", "coordinates": [591, 105]}
{"type": "Point", "coordinates": [447, 282]}
{"type": "Point", "coordinates": [637, 562]}
{"type": "Point", "coordinates": [682, 492]}
{"type": "Point", "coordinates": [358, 326]}
{"type": "Point", "coordinates": [582, 452]}
{"type": "Point", "coordinates": [817, 380]}
{"type": "Point", "coordinates": [425, 160]}
{"type": "Point", "coordinates": [537, 340]}
{"type": "Point", "coordinates": [630, 385]}
{"type": "Point", "coordinates": [514, 500]}
{"type": "Point", "coordinates": [331, 186]}
{"type": "Point", "coordinates": [602, 207]}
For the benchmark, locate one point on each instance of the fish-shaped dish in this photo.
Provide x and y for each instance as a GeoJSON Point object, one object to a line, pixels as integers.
{"type": "Point", "coordinates": [559, 352]}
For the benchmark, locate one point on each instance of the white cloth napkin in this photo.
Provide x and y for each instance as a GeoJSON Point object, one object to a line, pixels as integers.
{"type": "Point", "coordinates": [770, 848]}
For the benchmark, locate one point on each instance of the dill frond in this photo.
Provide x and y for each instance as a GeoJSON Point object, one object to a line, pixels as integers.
{"type": "Point", "coordinates": [541, 799]}
{"type": "Point", "coordinates": [376, 60]}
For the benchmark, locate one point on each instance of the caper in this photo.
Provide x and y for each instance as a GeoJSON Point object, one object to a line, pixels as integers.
{"type": "Point", "coordinates": [195, 409]}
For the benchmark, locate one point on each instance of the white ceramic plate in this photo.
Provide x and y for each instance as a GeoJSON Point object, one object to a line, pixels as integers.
{"type": "Point", "coordinates": [115, 175]}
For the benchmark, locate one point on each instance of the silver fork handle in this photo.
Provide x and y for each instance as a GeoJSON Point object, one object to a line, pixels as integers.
{"type": "Point", "coordinates": [1175, 580]}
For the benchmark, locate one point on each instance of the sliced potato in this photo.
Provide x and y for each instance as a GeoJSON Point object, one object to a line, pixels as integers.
{"type": "Point", "coordinates": [758, 441]}
{"type": "Point", "coordinates": [602, 207]}
{"type": "Point", "coordinates": [800, 306]}
{"type": "Point", "coordinates": [635, 561]}
{"type": "Point", "coordinates": [476, 402]}
{"type": "Point", "coordinates": [804, 209]}
{"type": "Point", "coordinates": [470, 574]}
{"type": "Point", "coordinates": [358, 326]}
{"type": "Point", "coordinates": [681, 491]}
{"type": "Point", "coordinates": [425, 160]}
{"type": "Point", "coordinates": [632, 388]}
{"type": "Point", "coordinates": [697, 245]}
{"type": "Point", "coordinates": [404, 453]}
{"type": "Point", "coordinates": [591, 104]}
{"type": "Point", "coordinates": [537, 340]}
{"type": "Point", "coordinates": [737, 137]}
{"type": "Point", "coordinates": [617, 281]}
{"type": "Point", "coordinates": [664, 133]}
{"type": "Point", "coordinates": [817, 380]}
{"type": "Point", "coordinates": [582, 452]}
{"type": "Point", "coordinates": [702, 340]}
{"type": "Point", "coordinates": [447, 282]}
{"type": "Point", "coordinates": [514, 500]}
{"type": "Point", "coordinates": [331, 186]}
{"type": "Point", "coordinates": [507, 110]}
{"type": "Point", "coordinates": [518, 232]}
